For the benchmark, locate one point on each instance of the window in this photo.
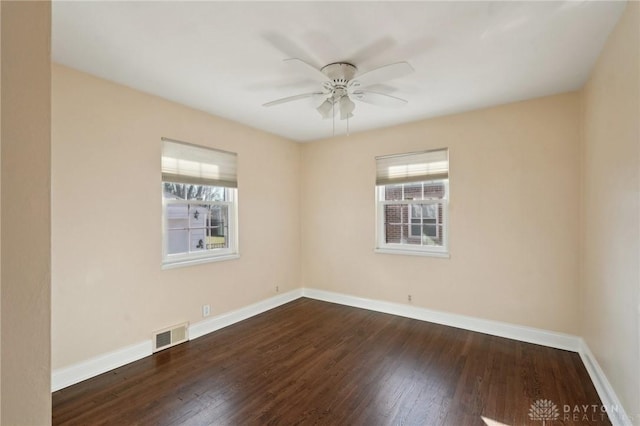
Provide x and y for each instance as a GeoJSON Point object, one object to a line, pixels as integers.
{"type": "Point", "coordinates": [199, 198]}
{"type": "Point", "coordinates": [412, 199]}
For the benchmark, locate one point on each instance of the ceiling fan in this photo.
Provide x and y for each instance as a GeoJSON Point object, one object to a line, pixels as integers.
{"type": "Point", "coordinates": [341, 85]}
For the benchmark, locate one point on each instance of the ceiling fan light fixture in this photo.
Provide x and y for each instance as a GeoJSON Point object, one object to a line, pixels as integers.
{"type": "Point", "coordinates": [346, 108]}
{"type": "Point", "coordinates": [326, 108]}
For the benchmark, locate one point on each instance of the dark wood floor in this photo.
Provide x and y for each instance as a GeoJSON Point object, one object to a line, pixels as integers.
{"type": "Point", "coordinates": [311, 362]}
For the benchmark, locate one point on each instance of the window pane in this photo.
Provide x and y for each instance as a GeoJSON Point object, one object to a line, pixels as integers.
{"type": "Point", "coordinates": [433, 190]}
{"type": "Point", "coordinates": [178, 223]}
{"type": "Point", "coordinates": [413, 191]}
{"type": "Point", "coordinates": [415, 229]}
{"type": "Point", "coordinates": [197, 215]}
{"type": "Point", "coordinates": [393, 192]}
{"type": "Point", "coordinates": [429, 211]}
{"type": "Point", "coordinates": [196, 240]}
{"type": "Point", "coordinates": [178, 215]}
{"type": "Point", "coordinates": [393, 234]}
{"type": "Point", "coordinates": [412, 235]}
{"type": "Point", "coordinates": [429, 231]}
{"type": "Point", "coordinates": [416, 211]}
{"type": "Point", "coordinates": [182, 191]}
{"type": "Point", "coordinates": [432, 235]}
{"type": "Point", "coordinates": [396, 223]}
{"type": "Point", "coordinates": [177, 241]}
{"type": "Point", "coordinates": [197, 227]}
{"type": "Point", "coordinates": [178, 228]}
{"type": "Point", "coordinates": [414, 224]}
{"type": "Point", "coordinates": [418, 218]}
{"type": "Point", "coordinates": [218, 228]}
{"type": "Point", "coordinates": [393, 214]}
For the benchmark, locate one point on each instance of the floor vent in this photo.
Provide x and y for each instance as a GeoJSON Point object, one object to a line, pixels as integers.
{"type": "Point", "coordinates": [171, 336]}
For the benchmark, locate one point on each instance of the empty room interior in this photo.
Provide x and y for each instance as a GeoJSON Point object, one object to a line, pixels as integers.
{"type": "Point", "coordinates": [346, 213]}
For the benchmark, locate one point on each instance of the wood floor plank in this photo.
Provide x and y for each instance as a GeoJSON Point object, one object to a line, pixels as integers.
{"type": "Point", "coordinates": [312, 362]}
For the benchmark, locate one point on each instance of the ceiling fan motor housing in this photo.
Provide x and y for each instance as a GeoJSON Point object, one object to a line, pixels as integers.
{"type": "Point", "coordinates": [340, 72]}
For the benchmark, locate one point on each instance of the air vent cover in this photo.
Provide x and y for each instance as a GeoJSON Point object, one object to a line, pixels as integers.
{"type": "Point", "coordinates": [171, 336]}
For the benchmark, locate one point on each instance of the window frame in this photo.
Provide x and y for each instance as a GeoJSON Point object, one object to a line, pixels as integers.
{"type": "Point", "coordinates": [207, 255]}
{"type": "Point", "coordinates": [189, 164]}
{"type": "Point", "coordinates": [410, 249]}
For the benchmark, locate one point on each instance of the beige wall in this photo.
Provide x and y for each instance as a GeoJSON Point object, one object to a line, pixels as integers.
{"type": "Point", "coordinates": [514, 184]}
{"type": "Point", "coordinates": [25, 215]}
{"type": "Point", "coordinates": [611, 208]}
{"type": "Point", "coordinates": [531, 183]}
{"type": "Point", "coordinates": [108, 288]}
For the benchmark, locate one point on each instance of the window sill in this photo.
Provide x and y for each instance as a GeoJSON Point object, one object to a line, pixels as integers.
{"type": "Point", "coordinates": [424, 253]}
{"type": "Point", "coordinates": [172, 264]}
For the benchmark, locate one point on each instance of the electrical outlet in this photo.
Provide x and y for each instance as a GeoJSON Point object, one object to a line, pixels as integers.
{"type": "Point", "coordinates": [409, 298]}
{"type": "Point", "coordinates": [206, 310]}
{"type": "Point", "coordinates": [277, 289]}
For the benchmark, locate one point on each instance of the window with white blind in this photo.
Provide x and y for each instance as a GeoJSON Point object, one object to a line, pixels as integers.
{"type": "Point", "coordinates": [199, 198]}
{"type": "Point", "coordinates": [412, 200]}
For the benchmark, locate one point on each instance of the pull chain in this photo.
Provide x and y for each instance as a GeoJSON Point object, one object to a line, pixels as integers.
{"type": "Point", "coordinates": [333, 118]}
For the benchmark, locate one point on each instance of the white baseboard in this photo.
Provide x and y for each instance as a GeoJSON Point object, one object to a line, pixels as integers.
{"type": "Point", "coordinates": [216, 323]}
{"type": "Point", "coordinates": [67, 376]}
{"type": "Point", "coordinates": [608, 396]}
{"type": "Point", "coordinates": [495, 328]}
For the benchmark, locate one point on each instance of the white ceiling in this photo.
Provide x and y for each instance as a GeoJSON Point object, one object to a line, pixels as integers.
{"type": "Point", "coordinates": [226, 58]}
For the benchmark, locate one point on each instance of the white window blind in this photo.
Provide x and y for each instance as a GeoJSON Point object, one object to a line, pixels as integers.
{"type": "Point", "coordinates": [190, 164]}
{"type": "Point", "coordinates": [412, 167]}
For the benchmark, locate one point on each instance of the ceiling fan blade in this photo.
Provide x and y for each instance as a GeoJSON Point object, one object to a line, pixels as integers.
{"type": "Point", "coordinates": [291, 98]}
{"type": "Point", "coordinates": [307, 68]}
{"type": "Point", "coordinates": [387, 72]}
{"type": "Point", "coordinates": [376, 98]}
